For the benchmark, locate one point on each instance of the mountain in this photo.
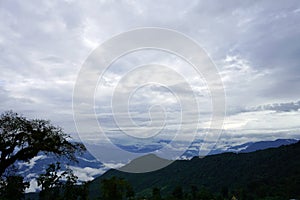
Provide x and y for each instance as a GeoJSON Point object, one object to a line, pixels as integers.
{"type": "Point", "coordinates": [89, 167]}
{"type": "Point", "coordinates": [273, 172]}
{"type": "Point", "coordinates": [253, 146]}
{"type": "Point", "coordinates": [145, 163]}
{"type": "Point", "coordinates": [267, 144]}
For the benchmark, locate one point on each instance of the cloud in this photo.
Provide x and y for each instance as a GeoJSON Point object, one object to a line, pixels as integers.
{"type": "Point", "coordinates": [87, 173]}
{"type": "Point", "coordinates": [31, 162]}
{"type": "Point", "coordinates": [33, 187]}
{"type": "Point", "coordinates": [281, 107]}
{"type": "Point", "coordinates": [253, 44]}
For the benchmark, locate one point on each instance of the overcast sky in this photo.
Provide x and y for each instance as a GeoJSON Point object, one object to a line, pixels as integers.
{"type": "Point", "coordinates": [255, 45]}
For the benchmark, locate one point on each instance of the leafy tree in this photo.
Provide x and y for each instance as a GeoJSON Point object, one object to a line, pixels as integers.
{"type": "Point", "coordinates": [204, 194]}
{"type": "Point", "coordinates": [82, 191]}
{"type": "Point", "coordinates": [177, 193]}
{"type": "Point", "coordinates": [22, 139]}
{"type": "Point", "coordinates": [115, 189]}
{"type": "Point", "coordinates": [58, 184]}
{"type": "Point", "coordinates": [194, 191]}
{"type": "Point", "coordinates": [129, 191]}
{"type": "Point", "coordinates": [12, 187]}
{"type": "Point", "coordinates": [69, 187]}
{"type": "Point", "coordinates": [225, 192]}
{"type": "Point", "coordinates": [156, 193]}
{"type": "Point", "coordinates": [50, 182]}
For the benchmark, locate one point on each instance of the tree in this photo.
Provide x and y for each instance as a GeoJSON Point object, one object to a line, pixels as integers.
{"type": "Point", "coordinates": [116, 189]}
{"type": "Point", "coordinates": [225, 192]}
{"type": "Point", "coordinates": [22, 139]}
{"type": "Point", "coordinates": [204, 193]}
{"type": "Point", "coordinates": [69, 187]}
{"type": "Point", "coordinates": [12, 187]}
{"type": "Point", "coordinates": [156, 193]}
{"type": "Point", "coordinates": [50, 182]}
{"type": "Point", "coordinates": [56, 184]}
{"type": "Point", "coordinates": [129, 191]}
{"type": "Point", "coordinates": [83, 191]}
{"type": "Point", "coordinates": [177, 193]}
{"type": "Point", "coordinates": [194, 191]}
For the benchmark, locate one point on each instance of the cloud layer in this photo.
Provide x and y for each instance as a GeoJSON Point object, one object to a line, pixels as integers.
{"type": "Point", "coordinates": [255, 46]}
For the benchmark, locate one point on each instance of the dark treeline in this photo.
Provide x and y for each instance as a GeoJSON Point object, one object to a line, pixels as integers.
{"type": "Point", "coordinates": [119, 189]}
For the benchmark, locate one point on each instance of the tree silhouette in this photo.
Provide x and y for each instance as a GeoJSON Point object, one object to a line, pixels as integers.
{"type": "Point", "coordinates": [116, 189]}
{"type": "Point", "coordinates": [22, 139]}
{"type": "Point", "coordinates": [156, 193]}
{"type": "Point", "coordinates": [70, 191]}
{"type": "Point", "coordinates": [50, 182]}
{"type": "Point", "coordinates": [13, 187]}
{"type": "Point", "coordinates": [178, 193]}
{"type": "Point", "coordinates": [194, 191]}
{"type": "Point", "coordinates": [57, 184]}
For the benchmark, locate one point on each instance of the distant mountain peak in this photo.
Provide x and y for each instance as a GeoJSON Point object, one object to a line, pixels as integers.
{"type": "Point", "coordinates": [146, 163]}
{"type": "Point", "coordinates": [261, 145]}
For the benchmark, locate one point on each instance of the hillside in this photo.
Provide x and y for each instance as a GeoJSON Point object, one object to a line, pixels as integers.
{"type": "Point", "coordinates": [270, 172]}
{"type": "Point", "coordinates": [89, 167]}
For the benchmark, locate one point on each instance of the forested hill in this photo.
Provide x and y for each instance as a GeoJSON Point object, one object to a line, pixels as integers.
{"type": "Point", "coordinates": [272, 172]}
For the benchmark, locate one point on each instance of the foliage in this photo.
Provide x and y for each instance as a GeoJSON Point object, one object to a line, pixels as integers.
{"type": "Point", "coordinates": [50, 182]}
{"type": "Point", "coordinates": [22, 139]}
{"type": "Point", "coordinates": [116, 189]}
{"type": "Point", "coordinates": [177, 193]}
{"type": "Point", "coordinates": [12, 187]}
{"type": "Point", "coordinates": [58, 184]}
{"type": "Point", "coordinates": [156, 194]}
{"type": "Point", "coordinates": [69, 189]}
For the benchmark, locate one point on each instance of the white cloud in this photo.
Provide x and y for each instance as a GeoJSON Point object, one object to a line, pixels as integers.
{"type": "Point", "coordinates": [44, 44]}
{"type": "Point", "coordinates": [87, 173]}
{"type": "Point", "coordinates": [31, 162]}
{"type": "Point", "coordinates": [33, 187]}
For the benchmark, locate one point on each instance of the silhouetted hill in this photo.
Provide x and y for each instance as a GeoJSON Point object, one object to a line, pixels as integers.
{"type": "Point", "coordinates": [89, 167]}
{"type": "Point", "coordinates": [145, 163]}
{"type": "Point", "coordinates": [273, 172]}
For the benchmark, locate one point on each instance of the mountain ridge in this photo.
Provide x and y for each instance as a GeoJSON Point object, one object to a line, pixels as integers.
{"type": "Point", "coordinates": [274, 170]}
{"type": "Point", "coordinates": [89, 167]}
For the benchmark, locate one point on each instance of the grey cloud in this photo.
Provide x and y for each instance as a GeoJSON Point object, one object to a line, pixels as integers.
{"type": "Point", "coordinates": [48, 41]}
{"type": "Point", "coordinates": [53, 59]}
{"type": "Point", "coordinates": [281, 107]}
{"type": "Point", "coordinates": [278, 107]}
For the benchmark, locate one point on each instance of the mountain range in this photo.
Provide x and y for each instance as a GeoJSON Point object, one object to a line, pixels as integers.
{"type": "Point", "coordinates": [272, 173]}
{"type": "Point", "coordinates": [89, 168]}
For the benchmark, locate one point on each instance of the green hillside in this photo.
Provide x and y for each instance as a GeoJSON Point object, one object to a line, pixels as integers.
{"type": "Point", "coordinates": [267, 173]}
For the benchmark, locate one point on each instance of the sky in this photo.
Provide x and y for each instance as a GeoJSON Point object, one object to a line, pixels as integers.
{"type": "Point", "coordinates": [254, 45]}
